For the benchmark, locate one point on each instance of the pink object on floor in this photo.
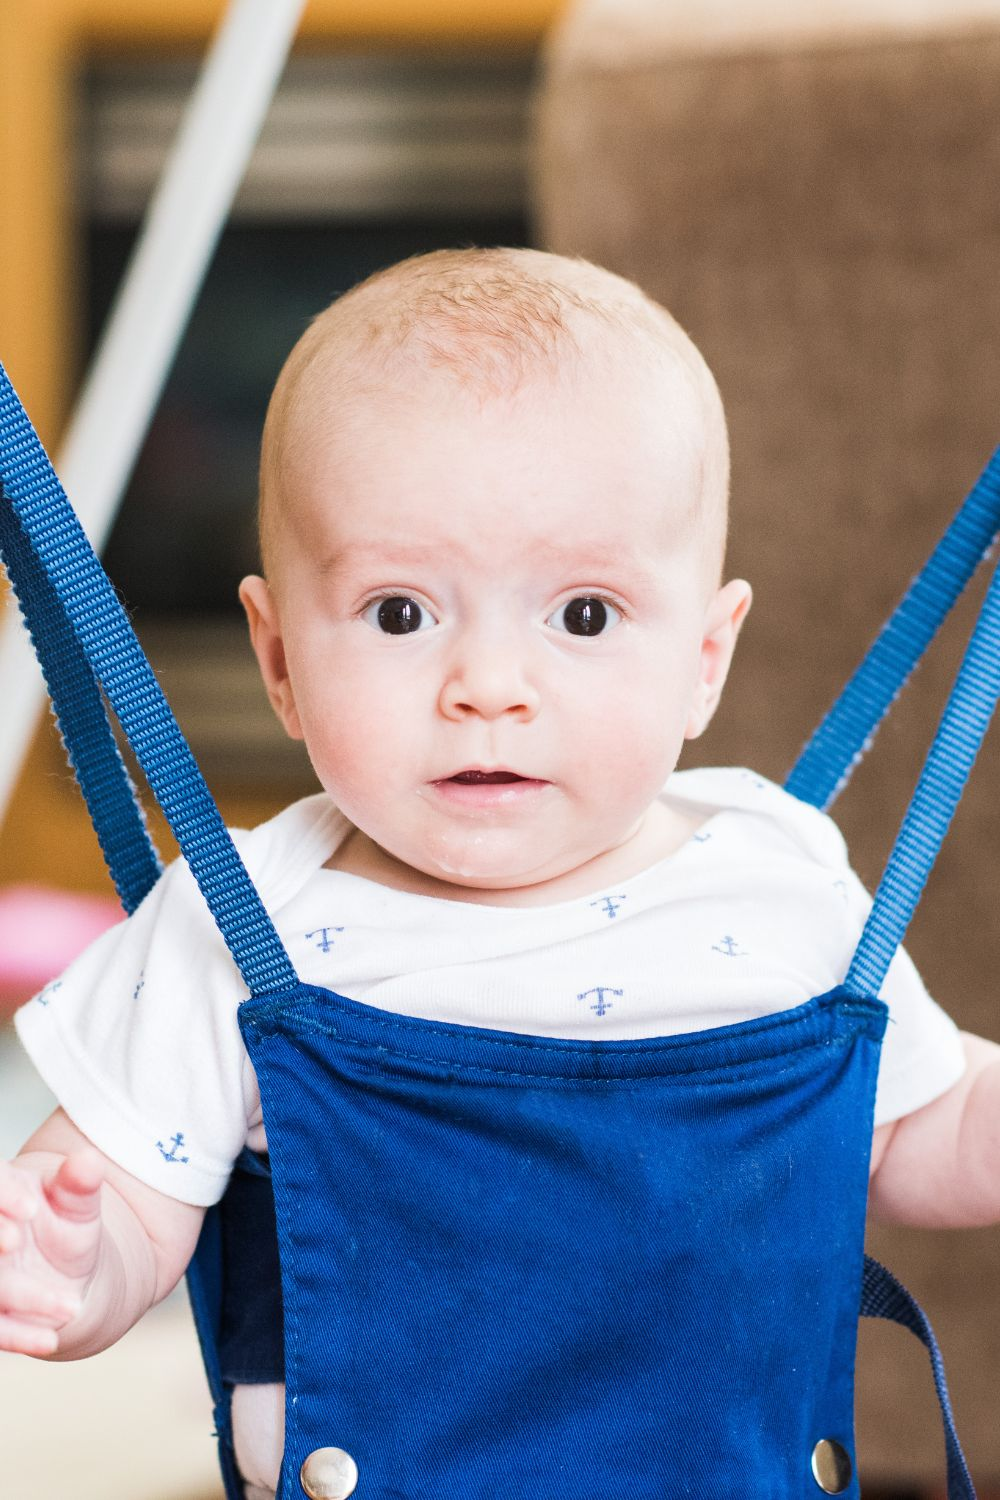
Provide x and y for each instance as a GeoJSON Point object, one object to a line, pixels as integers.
{"type": "Point", "coordinates": [41, 931]}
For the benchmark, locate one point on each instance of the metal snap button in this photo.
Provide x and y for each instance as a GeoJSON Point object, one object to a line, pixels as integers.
{"type": "Point", "coordinates": [831, 1466]}
{"type": "Point", "coordinates": [328, 1474]}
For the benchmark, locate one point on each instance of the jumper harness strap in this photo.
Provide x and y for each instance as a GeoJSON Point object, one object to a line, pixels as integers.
{"type": "Point", "coordinates": [848, 729]}
{"type": "Point", "coordinates": [882, 1296]}
{"type": "Point", "coordinates": [86, 643]}
{"type": "Point", "coordinates": [86, 646]}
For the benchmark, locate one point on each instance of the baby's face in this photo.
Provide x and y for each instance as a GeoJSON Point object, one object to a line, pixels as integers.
{"type": "Point", "coordinates": [490, 620]}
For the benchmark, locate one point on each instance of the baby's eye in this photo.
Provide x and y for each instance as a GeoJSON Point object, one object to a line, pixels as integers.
{"type": "Point", "coordinates": [586, 615]}
{"type": "Point", "coordinates": [398, 615]}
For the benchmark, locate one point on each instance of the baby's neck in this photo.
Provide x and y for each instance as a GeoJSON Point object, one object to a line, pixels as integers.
{"type": "Point", "coordinates": [663, 830]}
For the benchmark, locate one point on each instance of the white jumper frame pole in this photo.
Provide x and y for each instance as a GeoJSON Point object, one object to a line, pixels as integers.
{"type": "Point", "coordinates": [182, 225]}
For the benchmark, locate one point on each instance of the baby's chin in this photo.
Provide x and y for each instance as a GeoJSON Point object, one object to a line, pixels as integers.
{"type": "Point", "coordinates": [497, 877]}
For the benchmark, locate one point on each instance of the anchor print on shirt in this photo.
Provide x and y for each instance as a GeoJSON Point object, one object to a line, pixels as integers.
{"type": "Point", "coordinates": [729, 948]}
{"type": "Point", "coordinates": [176, 1142]}
{"type": "Point", "coordinates": [755, 781]}
{"type": "Point", "coordinates": [611, 905]}
{"type": "Point", "coordinates": [324, 941]}
{"type": "Point", "coordinates": [44, 996]}
{"type": "Point", "coordinates": [140, 985]}
{"type": "Point", "coordinates": [602, 1006]}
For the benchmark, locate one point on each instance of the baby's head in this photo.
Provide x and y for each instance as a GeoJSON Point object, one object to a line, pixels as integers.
{"type": "Point", "coordinates": [493, 511]}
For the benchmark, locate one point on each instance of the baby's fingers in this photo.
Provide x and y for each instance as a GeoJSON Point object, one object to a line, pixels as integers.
{"type": "Point", "coordinates": [74, 1190]}
{"type": "Point", "coordinates": [29, 1297]}
{"type": "Point", "coordinates": [27, 1338]}
{"type": "Point", "coordinates": [32, 1312]}
{"type": "Point", "coordinates": [67, 1233]}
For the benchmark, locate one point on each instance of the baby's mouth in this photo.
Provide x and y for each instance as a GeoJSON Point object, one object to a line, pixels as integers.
{"type": "Point", "coordinates": [485, 778]}
{"type": "Point", "coordinates": [479, 790]}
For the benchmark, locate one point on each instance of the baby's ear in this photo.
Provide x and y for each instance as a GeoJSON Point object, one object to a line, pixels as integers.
{"type": "Point", "coordinates": [723, 620]}
{"type": "Point", "coordinates": [269, 648]}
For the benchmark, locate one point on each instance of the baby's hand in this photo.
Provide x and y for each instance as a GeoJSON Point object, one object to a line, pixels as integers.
{"type": "Point", "coordinates": [50, 1241]}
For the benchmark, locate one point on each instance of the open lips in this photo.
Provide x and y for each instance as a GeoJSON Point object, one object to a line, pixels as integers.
{"type": "Point", "coordinates": [485, 778]}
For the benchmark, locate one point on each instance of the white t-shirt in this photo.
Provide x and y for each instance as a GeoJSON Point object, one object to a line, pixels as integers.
{"type": "Point", "coordinates": [756, 913]}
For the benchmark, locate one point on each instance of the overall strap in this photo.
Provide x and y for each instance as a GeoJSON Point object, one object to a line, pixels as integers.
{"type": "Point", "coordinates": [960, 733]}
{"type": "Point", "coordinates": [825, 765]}
{"type": "Point", "coordinates": [882, 1296]}
{"type": "Point", "coordinates": [87, 645]}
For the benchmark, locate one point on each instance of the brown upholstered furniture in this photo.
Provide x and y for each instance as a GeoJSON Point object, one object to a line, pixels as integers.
{"type": "Point", "coordinates": [821, 209]}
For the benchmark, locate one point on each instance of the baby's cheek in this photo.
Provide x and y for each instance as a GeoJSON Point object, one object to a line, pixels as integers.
{"type": "Point", "coordinates": [635, 730]}
{"type": "Point", "coordinates": [345, 728]}
{"type": "Point", "coordinates": [346, 755]}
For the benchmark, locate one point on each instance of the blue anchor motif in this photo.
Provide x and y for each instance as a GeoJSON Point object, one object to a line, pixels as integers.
{"type": "Point", "coordinates": [326, 942]}
{"type": "Point", "coordinates": [45, 995]}
{"type": "Point", "coordinates": [176, 1142]}
{"type": "Point", "coordinates": [841, 887]}
{"type": "Point", "coordinates": [729, 948]}
{"type": "Point", "coordinates": [701, 838]}
{"type": "Point", "coordinates": [600, 990]}
{"type": "Point", "coordinates": [140, 986]}
{"type": "Point", "coordinates": [754, 781]}
{"type": "Point", "coordinates": [610, 905]}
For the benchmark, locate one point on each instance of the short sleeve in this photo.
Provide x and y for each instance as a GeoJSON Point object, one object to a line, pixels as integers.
{"type": "Point", "coordinates": [139, 1042]}
{"type": "Point", "coordinates": [922, 1054]}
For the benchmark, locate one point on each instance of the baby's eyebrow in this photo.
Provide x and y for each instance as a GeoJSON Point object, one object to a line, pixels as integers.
{"type": "Point", "coordinates": [390, 553]}
{"type": "Point", "coordinates": [579, 563]}
{"type": "Point", "coordinates": [594, 563]}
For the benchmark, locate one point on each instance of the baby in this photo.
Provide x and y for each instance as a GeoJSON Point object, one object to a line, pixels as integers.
{"type": "Point", "coordinates": [493, 511]}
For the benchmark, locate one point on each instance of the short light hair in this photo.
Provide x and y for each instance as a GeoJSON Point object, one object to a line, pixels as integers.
{"type": "Point", "coordinates": [492, 317]}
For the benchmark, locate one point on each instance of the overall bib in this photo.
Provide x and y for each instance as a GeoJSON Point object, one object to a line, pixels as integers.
{"type": "Point", "coordinates": [515, 1266]}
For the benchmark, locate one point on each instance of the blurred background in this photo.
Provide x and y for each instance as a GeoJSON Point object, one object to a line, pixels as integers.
{"type": "Point", "coordinates": [812, 194]}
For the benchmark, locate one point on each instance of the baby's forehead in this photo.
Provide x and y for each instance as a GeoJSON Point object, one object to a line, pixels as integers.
{"type": "Point", "coordinates": [643, 407]}
{"type": "Point", "coordinates": [576, 469]}
{"type": "Point", "coordinates": [412, 339]}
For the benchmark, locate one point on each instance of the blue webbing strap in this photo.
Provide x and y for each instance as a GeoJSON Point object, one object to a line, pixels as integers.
{"type": "Point", "coordinates": [825, 765]}
{"type": "Point", "coordinates": [83, 722]}
{"type": "Point", "coordinates": [882, 1296]}
{"type": "Point", "coordinates": [77, 584]}
{"type": "Point", "coordinates": [960, 733]}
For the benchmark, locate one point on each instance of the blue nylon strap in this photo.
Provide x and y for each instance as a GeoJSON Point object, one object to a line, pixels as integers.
{"type": "Point", "coordinates": [960, 733]}
{"type": "Point", "coordinates": [83, 722]}
{"type": "Point", "coordinates": [882, 1296]}
{"type": "Point", "coordinates": [104, 637]}
{"type": "Point", "coordinates": [825, 765]}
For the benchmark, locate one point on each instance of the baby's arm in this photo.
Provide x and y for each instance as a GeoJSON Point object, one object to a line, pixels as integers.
{"type": "Point", "coordinates": [85, 1248]}
{"type": "Point", "coordinates": [940, 1167]}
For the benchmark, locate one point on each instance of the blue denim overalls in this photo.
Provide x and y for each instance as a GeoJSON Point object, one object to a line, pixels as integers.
{"type": "Point", "coordinates": [515, 1266]}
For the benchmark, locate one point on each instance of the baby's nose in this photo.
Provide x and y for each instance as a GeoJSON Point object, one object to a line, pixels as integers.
{"type": "Point", "coordinates": [489, 682]}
